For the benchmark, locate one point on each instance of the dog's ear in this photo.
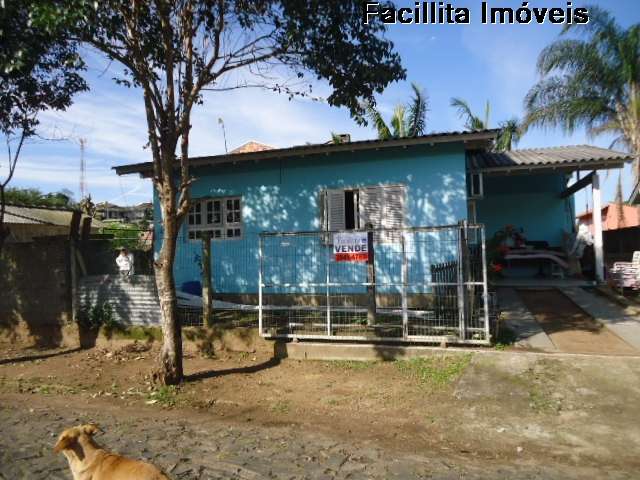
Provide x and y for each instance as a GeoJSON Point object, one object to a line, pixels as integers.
{"type": "Point", "coordinates": [64, 442]}
{"type": "Point", "coordinates": [91, 429]}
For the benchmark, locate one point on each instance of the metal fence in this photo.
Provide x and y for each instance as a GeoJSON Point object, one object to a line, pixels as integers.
{"type": "Point", "coordinates": [425, 284]}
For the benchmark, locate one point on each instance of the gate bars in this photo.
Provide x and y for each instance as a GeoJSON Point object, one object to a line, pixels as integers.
{"type": "Point", "coordinates": [429, 285]}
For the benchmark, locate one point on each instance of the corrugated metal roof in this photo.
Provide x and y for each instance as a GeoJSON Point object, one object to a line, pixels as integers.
{"type": "Point", "coordinates": [321, 149]}
{"type": "Point", "coordinates": [10, 218]}
{"type": "Point", "coordinates": [576, 155]}
{"type": "Point", "coordinates": [41, 216]}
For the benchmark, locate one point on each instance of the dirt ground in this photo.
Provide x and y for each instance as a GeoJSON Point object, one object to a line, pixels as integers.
{"type": "Point", "coordinates": [570, 328]}
{"type": "Point", "coordinates": [459, 415]}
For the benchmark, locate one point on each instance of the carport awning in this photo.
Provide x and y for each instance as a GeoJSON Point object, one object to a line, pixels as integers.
{"type": "Point", "coordinates": [568, 158]}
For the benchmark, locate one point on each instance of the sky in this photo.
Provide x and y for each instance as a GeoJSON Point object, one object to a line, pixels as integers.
{"type": "Point", "coordinates": [476, 62]}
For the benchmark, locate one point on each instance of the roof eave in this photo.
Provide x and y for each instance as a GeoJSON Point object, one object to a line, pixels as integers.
{"type": "Point", "coordinates": [558, 167]}
{"type": "Point", "coordinates": [471, 139]}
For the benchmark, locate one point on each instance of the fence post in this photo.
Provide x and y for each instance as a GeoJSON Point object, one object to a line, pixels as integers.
{"type": "Point", "coordinates": [371, 278]}
{"type": "Point", "coordinates": [206, 279]}
{"type": "Point", "coordinates": [328, 281]}
{"type": "Point", "coordinates": [485, 293]}
{"type": "Point", "coordinates": [462, 309]}
{"type": "Point", "coordinates": [405, 313]}
{"type": "Point", "coordinates": [260, 332]}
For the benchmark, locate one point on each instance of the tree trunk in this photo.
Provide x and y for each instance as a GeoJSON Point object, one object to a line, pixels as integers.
{"type": "Point", "coordinates": [206, 280]}
{"type": "Point", "coordinates": [170, 370]}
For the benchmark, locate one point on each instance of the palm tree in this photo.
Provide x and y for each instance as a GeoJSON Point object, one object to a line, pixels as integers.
{"type": "Point", "coordinates": [407, 120]}
{"type": "Point", "coordinates": [509, 129]}
{"type": "Point", "coordinates": [592, 82]}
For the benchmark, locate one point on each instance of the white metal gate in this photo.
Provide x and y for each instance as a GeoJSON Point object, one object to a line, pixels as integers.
{"type": "Point", "coordinates": [421, 284]}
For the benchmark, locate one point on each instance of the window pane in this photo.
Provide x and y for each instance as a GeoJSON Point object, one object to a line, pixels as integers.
{"type": "Point", "coordinates": [236, 217]}
{"type": "Point", "coordinates": [236, 204]}
{"type": "Point", "coordinates": [229, 205]}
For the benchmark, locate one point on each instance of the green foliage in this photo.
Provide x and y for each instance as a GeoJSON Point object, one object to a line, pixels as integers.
{"type": "Point", "coordinates": [35, 197]}
{"type": "Point", "coordinates": [124, 236]}
{"type": "Point", "coordinates": [591, 82]}
{"type": "Point", "coordinates": [95, 316]}
{"type": "Point", "coordinates": [39, 69]}
{"type": "Point", "coordinates": [140, 333]}
{"type": "Point", "coordinates": [435, 371]}
{"type": "Point", "coordinates": [408, 120]}
{"type": "Point", "coordinates": [510, 130]}
{"type": "Point", "coordinates": [165, 396]}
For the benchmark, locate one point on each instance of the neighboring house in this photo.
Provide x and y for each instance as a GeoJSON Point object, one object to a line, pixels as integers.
{"type": "Point", "coordinates": [25, 222]}
{"type": "Point", "coordinates": [133, 214]}
{"type": "Point", "coordinates": [614, 217]}
{"type": "Point", "coordinates": [252, 147]}
{"type": "Point", "coordinates": [431, 180]}
{"type": "Point", "coordinates": [621, 230]}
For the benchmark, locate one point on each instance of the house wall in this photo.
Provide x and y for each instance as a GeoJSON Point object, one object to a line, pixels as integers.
{"type": "Point", "coordinates": [530, 202]}
{"type": "Point", "coordinates": [284, 196]}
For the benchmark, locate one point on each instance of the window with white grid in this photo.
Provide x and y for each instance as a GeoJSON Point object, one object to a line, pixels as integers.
{"type": "Point", "coordinates": [221, 217]}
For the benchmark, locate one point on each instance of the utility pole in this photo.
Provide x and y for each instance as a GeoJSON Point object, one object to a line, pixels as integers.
{"type": "Point", "coordinates": [83, 169]}
{"type": "Point", "coordinates": [224, 134]}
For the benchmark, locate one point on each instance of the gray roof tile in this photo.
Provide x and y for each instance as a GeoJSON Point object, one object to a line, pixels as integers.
{"type": "Point", "coordinates": [541, 157]}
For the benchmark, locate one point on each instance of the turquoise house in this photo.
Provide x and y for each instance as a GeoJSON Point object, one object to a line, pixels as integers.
{"type": "Point", "coordinates": [432, 180]}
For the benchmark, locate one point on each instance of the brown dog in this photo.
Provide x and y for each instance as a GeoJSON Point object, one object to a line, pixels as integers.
{"type": "Point", "coordinates": [90, 462]}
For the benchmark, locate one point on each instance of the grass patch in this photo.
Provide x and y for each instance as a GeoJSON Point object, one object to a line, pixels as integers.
{"type": "Point", "coordinates": [351, 364]}
{"type": "Point", "coordinates": [140, 333]}
{"type": "Point", "coordinates": [165, 396]}
{"type": "Point", "coordinates": [281, 406]}
{"type": "Point", "coordinates": [542, 379]}
{"type": "Point", "coordinates": [435, 371]}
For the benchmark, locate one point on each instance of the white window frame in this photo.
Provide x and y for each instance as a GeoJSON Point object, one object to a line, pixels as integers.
{"type": "Point", "coordinates": [359, 207]}
{"type": "Point", "coordinates": [471, 188]}
{"type": "Point", "coordinates": [209, 220]}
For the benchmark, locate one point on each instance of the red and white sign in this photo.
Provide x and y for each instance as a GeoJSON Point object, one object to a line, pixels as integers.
{"type": "Point", "coordinates": [350, 247]}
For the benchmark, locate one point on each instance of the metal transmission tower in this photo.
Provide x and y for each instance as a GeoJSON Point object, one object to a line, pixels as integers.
{"type": "Point", "coordinates": [83, 169]}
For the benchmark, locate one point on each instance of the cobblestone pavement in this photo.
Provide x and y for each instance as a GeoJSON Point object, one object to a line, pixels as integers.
{"type": "Point", "coordinates": [204, 448]}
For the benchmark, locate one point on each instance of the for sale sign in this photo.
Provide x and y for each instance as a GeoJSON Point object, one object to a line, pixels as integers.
{"type": "Point", "coordinates": [350, 247]}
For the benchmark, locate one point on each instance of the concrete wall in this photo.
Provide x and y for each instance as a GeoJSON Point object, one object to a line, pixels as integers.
{"type": "Point", "coordinates": [35, 298]}
{"type": "Point", "coordinates": [284, 196]}
{"type": "Point", "coordinates": [530, 202]}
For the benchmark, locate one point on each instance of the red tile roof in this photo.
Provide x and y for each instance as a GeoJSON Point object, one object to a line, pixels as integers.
{"type": "Point", "coordinates": [252, 147]}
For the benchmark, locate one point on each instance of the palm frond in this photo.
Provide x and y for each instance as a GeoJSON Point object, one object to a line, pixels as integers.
{"type": "Point", "coordinates": [509, 135]}
{"type": "Point", "coordinates": [418, 108]}
{"type": "Point", "coordinates": [384, 133]}
{"type": "Point", "coordinates": [472, 122]}
{"type": "Point", "coordinates": [398, 122]}
{"type": "Point", "coordinates": [592, 82]}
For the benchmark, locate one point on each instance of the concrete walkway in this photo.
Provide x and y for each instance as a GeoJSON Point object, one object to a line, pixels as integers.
{"type": "Point", "coordinates": [516, 316]}
{"type": "Point", "coordinates": [609, 314]}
